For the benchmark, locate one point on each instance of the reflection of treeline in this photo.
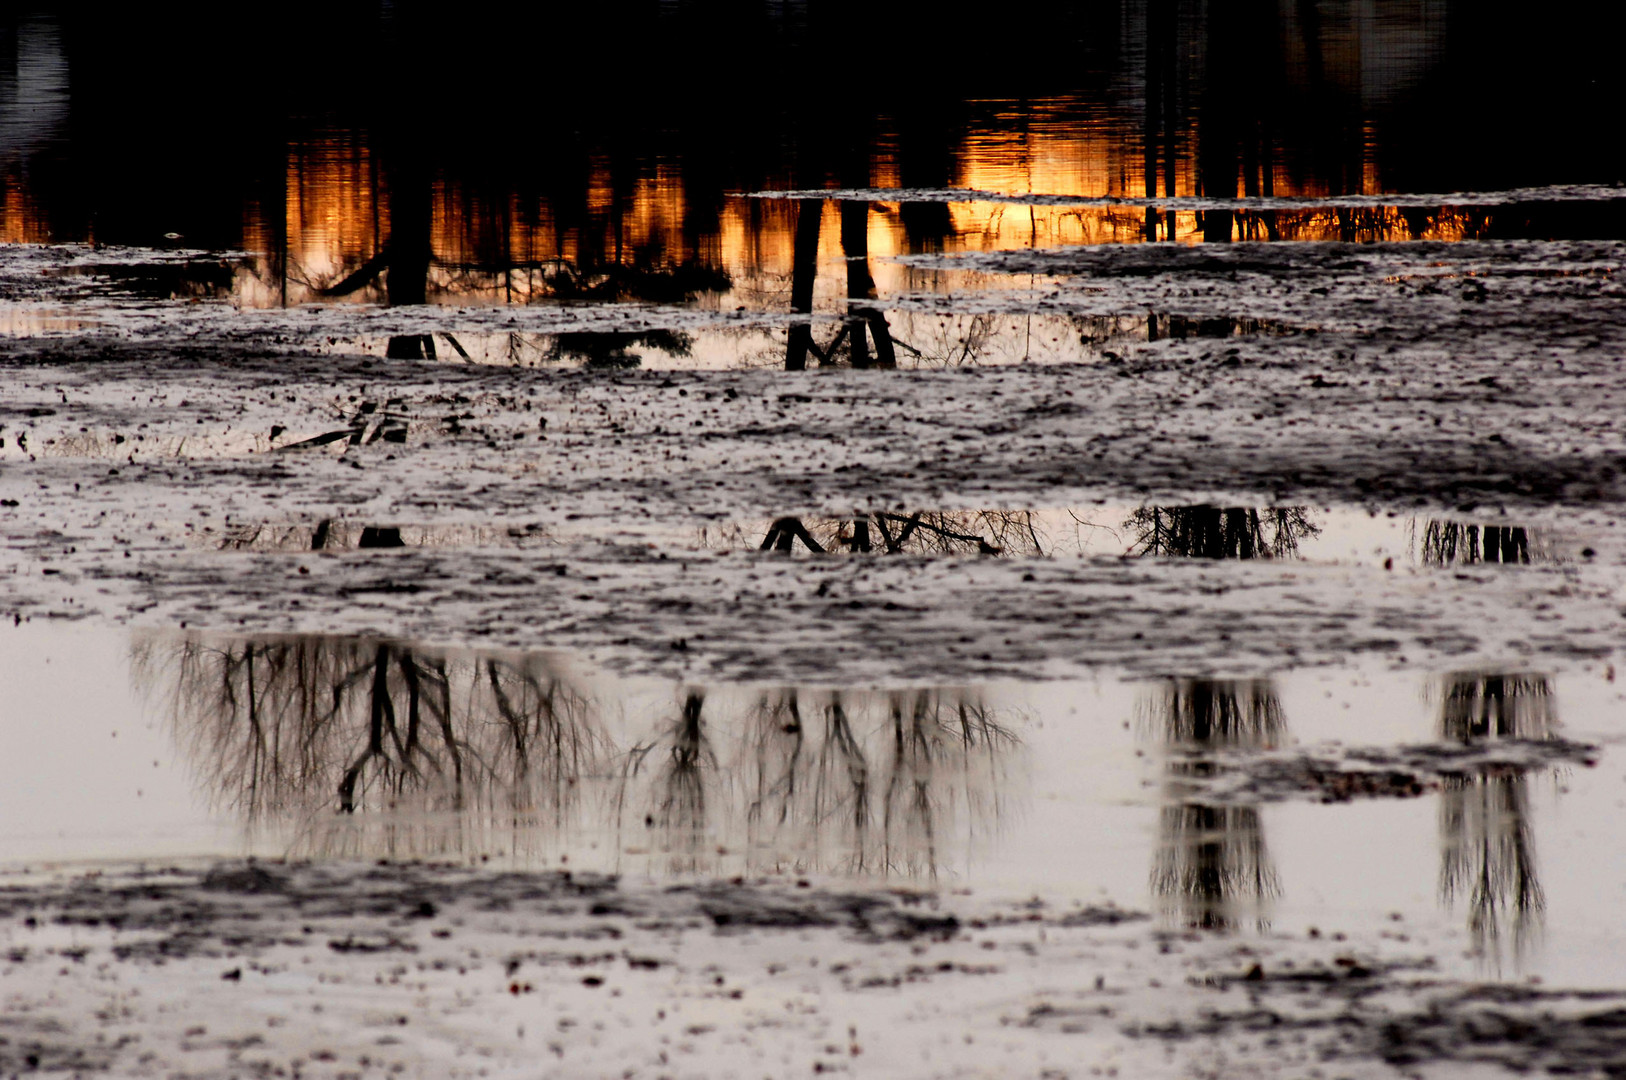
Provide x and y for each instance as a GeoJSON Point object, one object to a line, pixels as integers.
{"type": "Point", "coordinates": [361, 747]}
{"type": "Point", "coordinates": [1451, 543]}
{"type": "Point", "coordinates": [1488, 854]}
{"type": "Point", "coordinates": [969, 532]}
{"type": "Point", "coordinates": [1212, 869]}
{"type": "Point", "coordinates": [846, 782]}
{"type": "Point", "coordinates": [1216, 532]}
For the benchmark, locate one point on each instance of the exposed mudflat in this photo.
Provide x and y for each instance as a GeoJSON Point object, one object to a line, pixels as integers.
{"type": "Point", "coordinates": [260, 969]}
{"type": "Point", "coordinates": [1400, 458]}
{"type": "Point", "coordinates": [1474, 382]}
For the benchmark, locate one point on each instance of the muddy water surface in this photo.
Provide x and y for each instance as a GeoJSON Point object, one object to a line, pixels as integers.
{"type": "Point", "coordinates": [1470, 809]}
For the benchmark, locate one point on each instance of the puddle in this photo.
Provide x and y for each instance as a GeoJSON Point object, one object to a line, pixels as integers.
{"type": "Point", "coordinates": [1336, 536]}
{"type": "Point", "coordinates": [1222, 804]}
{"type": "Point", "coordinates": [338, 535]}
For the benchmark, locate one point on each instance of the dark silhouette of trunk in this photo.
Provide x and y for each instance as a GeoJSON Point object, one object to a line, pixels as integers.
{"type": "Point", "coordinates": [804, 269]}
{"type": "Point", "coordinates": [862, 315]}
{"type": "Point", "coordinates": [783, 534]}
{"type": "Point", "coordinates": [1156, 72]}
{"type": "Point", "coordinates": [380, 714]}
{"type": "Point", "coordinates": [374, 536]}
{"type": "Point", "coordinates": [860, 286]}
{"type": "Point", "coordinates": [1216, 131]}
{"type": "Point", "coordinates": [1446, 543]}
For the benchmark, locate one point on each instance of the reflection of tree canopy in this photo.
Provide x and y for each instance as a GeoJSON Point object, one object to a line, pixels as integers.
{"type": "Point", "coordinates": [1212, 866]}
{"type": "Point", "coordinates": [1449, 543]}
{"type": "Point", "coordinates": [1213, 532]}
{"type": "Point", "coordinates": [970, 532]}
{"type": "Point", "coordinates": [855, 783]}
{"type": "Point", "coordinates": [608, 349]}
{"type": "Point", "coordinates": [1487, 847]}
{"type": "Point", "coordinates": [297, 727]}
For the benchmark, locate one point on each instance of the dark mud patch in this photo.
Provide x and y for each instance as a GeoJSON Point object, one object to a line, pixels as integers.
{"type": "Point", "coordinates": [1340, 775]}
{"type": "Point", "coordinates": [235, 909]}
{"type": "Point", "coordinates": [1387, 1014]}
{"type": "Point", "coordinates": [30, 1045]}
{"type": "Point", "coordinates": [872, 917]}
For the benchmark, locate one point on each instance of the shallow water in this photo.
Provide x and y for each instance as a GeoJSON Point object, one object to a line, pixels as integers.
{"type": "Point", "coordinates": [172, 745]}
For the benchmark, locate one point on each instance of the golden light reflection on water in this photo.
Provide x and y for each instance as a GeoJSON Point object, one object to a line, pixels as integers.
{"type": "Point", "coordinates": [498, 246]}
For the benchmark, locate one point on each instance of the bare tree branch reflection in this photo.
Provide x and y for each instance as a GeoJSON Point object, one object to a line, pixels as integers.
{"type": "Point", "coordinates": [293, 729]}
{"type": "Point", "coordinates": [1453, 543]}
{"type": "Point", "coordinates": [1213, 532]}
{"type": "Point", "coordinates": [684, 766]}
{"type": "Point", "coordinates": [363, 748]}
{"type": "Point", "coordinates": [1487, 845]}
{"type": "Point", "coordinates": [969, 532]}
{"type": "Point", "coordinates": [1212, 870]}
{"type": "Point", "coordinates": [835, 782]}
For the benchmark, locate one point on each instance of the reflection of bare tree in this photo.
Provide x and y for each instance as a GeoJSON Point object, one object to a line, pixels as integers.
{"type": "Point", "coordinates": [864, 322]}
{"type": "Point", "coordinates": [851, 783]}
{"type": "Point", "coordinates": [970, 532]}
{"type": "Point", "coordinates": [297, 727]}
{"type": "Point", "coordinates": [1487, 848]}
{"type": "Point", "coordinates": [685, 765]}
{"type": "Point", "coordinates": [1214, 532]}
{"type": "Point", "coordinates": [1450, 543]}
{"type": "Point", "coordinates": [361, 748]}
{"type": "Point", "coordinates": [1212, 869]}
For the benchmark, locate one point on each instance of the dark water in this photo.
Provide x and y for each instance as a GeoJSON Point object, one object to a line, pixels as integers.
{"type": "Point", "coordinates": [398, 152]}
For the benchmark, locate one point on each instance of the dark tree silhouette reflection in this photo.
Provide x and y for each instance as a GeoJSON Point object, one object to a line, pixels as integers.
{"type": "Point", "coordinates": [609, 349]}
{"type": "Point", "coordinates": [290, 730]}
{"type": "Point", "coordinates": [841, 783]}
{"type": "Point", "coordinates": [864, 324]}
{"type": "Point", "coordinates": [969, 532]}
{"type": "Point", "coordinates": [1212, 869]}
{"type": "Point", "coordinates": [1488, 856]}
{"type": "Point", "coordinates": [1215, 532]}
{"type": "Point", "coordinates": [1452, 543]}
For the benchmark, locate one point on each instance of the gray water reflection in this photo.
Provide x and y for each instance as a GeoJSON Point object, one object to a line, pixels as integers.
{"type": "Point", "coordinates": [1212, 869]}
{"type": "Point", "coordinates": [352, 747]}
{"type": "Point", "coordinates": [1487, 838]}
